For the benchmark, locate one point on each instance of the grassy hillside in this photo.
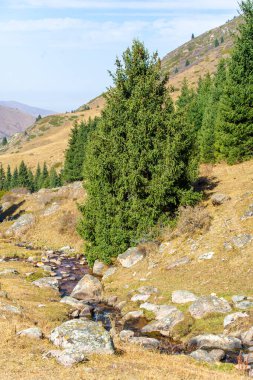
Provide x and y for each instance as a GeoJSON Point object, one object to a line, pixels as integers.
{"type": "Point", "coordinates": [47, 139]}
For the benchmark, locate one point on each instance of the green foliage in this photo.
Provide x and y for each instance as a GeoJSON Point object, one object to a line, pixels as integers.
{"type": "Point", "coordinates": [216, 42]}
{"type": "Point", "coordinates": [4, 141]}
{"type": "Point", "coordinates": [193, 36]}
{"type": "Point", "coordinates": [187, 62]}
{"type": "Point", "coordinates": [235, 120]}
{"type": "Point", "coordinates": [138, 164]}
{"type": "Point", "coordinates": [38, 118]}
{"type": "Point", "coordinates": [222, 40]}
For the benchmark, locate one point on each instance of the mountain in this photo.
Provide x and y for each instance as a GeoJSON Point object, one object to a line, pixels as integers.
{"type": "Point", "coordinates": [47, 139]}
{"type": "Point", "coordinates": [13, 120]}
{"type": "Point", "coordinates": [34, 111]}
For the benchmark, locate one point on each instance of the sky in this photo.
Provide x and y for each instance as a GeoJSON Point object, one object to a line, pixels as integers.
{"type": "Point", "coordinates": [56, 54]}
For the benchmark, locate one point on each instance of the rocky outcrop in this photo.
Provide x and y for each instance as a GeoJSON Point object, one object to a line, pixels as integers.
{"type": "Point", "coordinates": [89, 288]}
{"type": "Point", "coordinates": [21, 225]}
{"type": "Point", "coordinates": [83, 336]}
{"type": "Point", "coordinates": [131, 257]}
{"type": "Point", "coordinates": [209, 304]}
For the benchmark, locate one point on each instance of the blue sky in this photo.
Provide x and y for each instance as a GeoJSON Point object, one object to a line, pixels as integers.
{"type": "Point", "coordinates": [56, 53]}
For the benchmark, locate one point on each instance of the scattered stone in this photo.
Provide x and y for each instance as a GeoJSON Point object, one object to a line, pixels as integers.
{"type": "Point", "coordinates": [33, 332]}
{"type": "Point", "coordinates": [183, 296]}
{"type": "Point", "coordinates": [140, 297]}
{"type": "Point", "coordinates": [222, 342]}
{"type": "Point", "coordinates": [72, 302]}
{"type": "Point", "coordinates": [109, 273]}
{"type": "Point", "coordinates": [65, 249]}
{"type": "Point", "coordinates": [231, 318]}
{"type": "Point", "coordinates": [47, 282]}
{"type": "Point", "coordinates": [206, 256]}
{"type": "Point", "coordinates": [247, 337]}
{"type": "Point", "coordinates": [160, 311]}
{"type": "Point", "coordinates": [10, 271]}
{"type": "Point", "coordinates": [83, 336]}
{"type": "Point", "coordinates": [147, 290]}
{"type": "Point", "coordinates": [183, 261]}
{"type": "Point", "coordinates": [21, 224]}
{"type": "Point", "coordinates": [164, 325]}
{"type": "Point", "coordinates": [132, 315]}
{"type": "Point", "coordinates": [166, 248]}
{"type": "Point", "coordinates": [219, 198]}
{"type": "Point", "coordinates": [10, 309]}
{"type": "Point", "coordinates": [51, 209]}
{"type": "Point", "coordinates": [244, 305]}
{"type": "Point", "coordinates": [208, 357]}
{"type": "Point", "coordinates": [143, 341]}
{"type": "Point", "coordinates": [86, 312]}
{"type": "Point", "coordinates": [99, 268]}
{"type": "Point", "coordinates": [89, 288]}
{"type": "Point", "coordinates": [112, 300]}
{"type": "Point", "coordinates": [125, 335]}
{"type": "Point", "coordinates": [248, 213]}
{"type": "Point", "coordinates": [208, 304]}
{"type": "Point", "coordinates": [238, 298]}
{"type": "Point", "coordinates": [131, 257]}
{"type": "Point", "coordinates": [67, 357]}
{"type": "Point", "coordinates": [241, 240]}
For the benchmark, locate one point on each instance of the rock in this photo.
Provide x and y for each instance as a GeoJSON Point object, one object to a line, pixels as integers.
{"type": "Point", "coordinates": [125, 335]}
{"type": "Point", "coordinates": [231, 318]}
{"type": "Point", "coordinates": [131, 257]}
{"type": "Point", "coordinates": [33, 332]}
{"type": "Point", "coordinates": [208, 357]}
{"type": "Point", "coordinates": [51, 209]}
{"type": "Point", "coordinates": [166, 248]}
{"type": "Point", "coordinates": [83, 336]}
{"type": "Point", "coordinates": [219, 198]}
{"type": "Point", "coordinates": [10, 309]}
{"type": "Point", "coordinates": [67, 357]}
{"type": "Point", "coordinates": [112, 300]}
{"type": "Point", "coordinates": [183, 261]}
{"type": "Point", "coordinates": [65, 249]}
{"type": "Point", "coordinates": [147, 290]}
{"type": "Point", "coordinates": [143, 341]}
{"type": "Point", "coordinates": [47, 282]}
{"type": "Point", "coordinates": [183, 296]}
{"type": "Point", "coordinates": [99, 268]}
{"type": "Point", "coordinates": [3, 294]}
{"type": "Point", "coordinates": [241, 240]}
{"type": "Point", "coordinates": [120, 305]}
{"type": "Point", "coordinates": [208, 304]}
{"type": "Point", "coordinates": [248, 213]}
{"type": "Point", "coordinates": [206, 256]}
{"type": "Point", "coordinates": [243, 305]}
{"type": "Point", "coordinates": [222, 342]}
{"type": "Point", "coordinates": [164, 325]}
{"type": "Point", "coordinates": [109, 273]}
{"type": "Point", "coordinates": [140, 297]}
{"type": "Point", "coordinates": [238, 298]}
{"type": "Point", "coordinates": [21, 224]}
{"type": "Point", "coordinates": [10, 271]}
{"type": "Point", "coordinates": [132, 315]}
{"type": "Point", "coordinates": [160, 311]}
{"type": "Point", "coordinates": [86, 312]}
{"type": "Point", "coordinates": [89, 288]}
{"type": "Point", "coordinates": [73, 302]}
{"type": "Point", "coordinates": [247, 337]}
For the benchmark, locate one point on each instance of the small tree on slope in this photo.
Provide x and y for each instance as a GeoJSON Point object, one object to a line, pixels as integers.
{"type": "Point", "coordinates": [136, 168]}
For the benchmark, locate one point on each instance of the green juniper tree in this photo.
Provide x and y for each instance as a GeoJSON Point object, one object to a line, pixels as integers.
{"type": "Point", "coordinates": [137, 166]}
{"type": "Point", "coordinates": [234, 140]}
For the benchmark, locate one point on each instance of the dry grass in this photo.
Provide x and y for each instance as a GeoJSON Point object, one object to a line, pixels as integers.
{"type": "Point", "coordinates": [192, 220]}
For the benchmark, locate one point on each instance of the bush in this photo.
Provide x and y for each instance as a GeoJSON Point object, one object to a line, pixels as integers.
{"type": "Point", "coordinates": [193, 219]}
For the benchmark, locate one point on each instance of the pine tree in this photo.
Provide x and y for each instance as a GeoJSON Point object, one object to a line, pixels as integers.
{"type": "Point", "coordinates": [2, 178]}
{"type": "Point", "coordinates": [235, 125]}
{"type": "Point", "coordinates": [23, 176]}
{"type": "Point", "coordinates": [31, 180]}
{"type": "Point", "coordinates": [4, 141]}
{"type": "Point", "coordinates": [54, 180]}
{"type": "Point", "coordinates": [187, 62]}
{"type": "Point", "coordinates": [44, 177]}
{"type": "Point", "coordinates": [15, 179]}
{"type": "Point", "coordinates": [216, 42]}
{"type": "Point", "coordinates": [8, 178]}
{"type": "Point", "coordinates": [37, 178]}
{"type": "Point", "coordinates": [136, 166]}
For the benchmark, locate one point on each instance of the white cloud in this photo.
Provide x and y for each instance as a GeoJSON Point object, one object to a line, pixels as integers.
{"type": "Point", "coordinates": [134, 5]}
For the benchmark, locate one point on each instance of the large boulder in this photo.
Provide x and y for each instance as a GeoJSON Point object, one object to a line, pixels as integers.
{"type": "Point", "coordinates": [83, 336]}
{"type": "Point", "coordinates": [89, 288]}
{"type": "Point", "coordinates": [131, 257]}
{"type": "Point", "coordinates": [145, 342]}
{"type": "Point", "coordinates": [208, 304]}
{"type": "Point", "coordinates": [183, 296]}
{"type": "Point", "coordinates": [21, 225]}
{"type": "Point", "coordinates": [47, 282]}
{"type": "Point", "coordinates": [208, 357]}
{"type": "Point", "coordinates": [165, 325]}
{"type": "Point", "coordinates": [211, 341]}
{"type": "Point", "coordinates": [73, 302]}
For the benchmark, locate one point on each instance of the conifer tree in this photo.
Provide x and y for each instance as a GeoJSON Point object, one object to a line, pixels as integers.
{"type": "Point", "coordinates": [8, 178]}
{"type": "Point", "coordinates": [2, 178]}
{"type": "Point", "coordinates": [54, 180]}
{"type": "Point", "coordinates": [44, 177]}
{"type": "Point", "coordinates": [31, 180]}
{"type": "Point", "coordinates": [136, 168]}
{"type": "Point", "coordinates": [235, 125]}
{"type": "Point", "coordinates": [15, 179]}
{"type": "Point", "coordinates": [23, 176]}
{"type": "Point", "coordinates": [37, 178]}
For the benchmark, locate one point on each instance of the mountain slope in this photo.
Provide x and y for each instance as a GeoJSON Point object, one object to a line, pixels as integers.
{"type": "Point", "coordinates": [13, 121]}
{"type": "Point", "coordinates": [34, 111]}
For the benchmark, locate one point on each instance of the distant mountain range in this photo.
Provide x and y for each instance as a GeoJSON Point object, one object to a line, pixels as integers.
{"type": "Point", "coordinates": [16, 117]}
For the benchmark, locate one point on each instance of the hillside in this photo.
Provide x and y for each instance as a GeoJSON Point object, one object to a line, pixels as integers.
{"type": "Point", "coordinates": [47, 139]}
{"type": "Point", "coordinates": [13, 121]}
{"type": "Point", "coordinates": [34, 111]}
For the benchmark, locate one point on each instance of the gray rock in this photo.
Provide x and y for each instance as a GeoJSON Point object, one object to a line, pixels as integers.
{"type": "Point", "coordinates": [10, 309]}
{"type": "Point", "coordinates": [165, 325]}
{"type": "Point", "coordinates": [183, 296]}
{"type": "Point", "coordinates": [121, 305]}
{"type": "Point", "coordinates": [51, 209]}
{"type": "Point", "coordinates": [131, 257]}
{"type": "Point", "coordinates": [47, 282]}
{"type": "Point", "coordinates": [33, 332]}
{"type": "Point", "coordinates": [9, 271]}
{"type": "Point", "coordinates": [244, 305]}
{"type": "Point", "coordinates": [147, 290]}
{"type": "Point", "coordinates": [231, 318]}
{"type": "Point", "coordinates": [208, 357]}
{"type": "Point", "coordinates": [73, 302]}
{"type": "Point", "coordinates": [206, 256]}
{"type": "Point", "coordinates": [140, 297]}
{"type": "Point", "coordinates": [109, 273]}
{"type": "Point", "coordinates": [21, 224]}
{"type": "Point", "coordinates": [219, 198]}
{"type": "Point", "coordinates": [222, 342]}
{"type": "Point", "coordinates": [208, 304]}
{"type": "Point", "coordinates": [248, 213]}
{"type": "Point", "coordinates": [167, 248]}
{"type": "Point", "coordinates": [145, 342]}
{"type": "Point", "coordinates": [67, 357]}
{"type": "Point", "coordinates": [238, 298]}
{"type": "Point", "coordinates": [160, 311]}
{"type": "Point", "coordinates": [99, 268]}
{"type": "Point", "coordinates": [132, 315]}
{"type": "Point", "coordinates": [247, 337]}
{"type": "Point", "coordinates": [241, 240]}
{"type": "Point", "coordinates": [125, 335]}
{"type": "Point", "coordinates": [183, 261]}
{"type": "Point", "coordinates": [88, 288]}
{"type": "Point", "coordinates": [83, 336]}
{"type": "Point", "coordinates": [112, 300]}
